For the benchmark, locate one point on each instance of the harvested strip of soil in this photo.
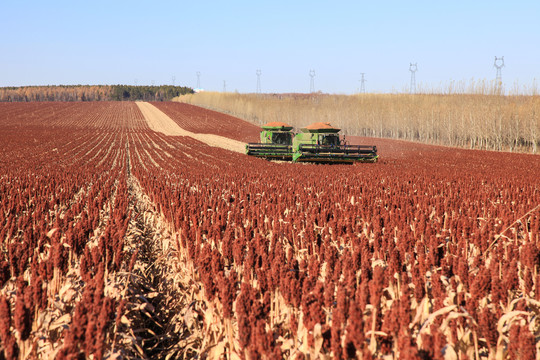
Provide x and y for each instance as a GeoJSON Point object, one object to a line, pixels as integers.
{"type": "Point", "coordinates": [154, 323]}
{"type": "Point", "coordinates": [160, 122]}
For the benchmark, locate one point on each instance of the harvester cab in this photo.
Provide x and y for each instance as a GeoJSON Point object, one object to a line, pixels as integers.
{"type": "Point", "coordinates": [276, 142]}
{"type": "Point", "coordinates": [276, 137]}
{"type": "Point", "coordinates": [320, 143]}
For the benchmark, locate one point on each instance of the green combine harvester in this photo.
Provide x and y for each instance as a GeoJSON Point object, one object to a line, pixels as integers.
{"type": "Point", "coordinates": [276, 142]}
{"type": "Point", "coordinates": [316, 143]}
{"type": "Point", "coordinates": [320, 143]}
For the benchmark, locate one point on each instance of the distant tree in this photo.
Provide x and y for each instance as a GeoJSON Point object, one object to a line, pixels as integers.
{"type": "Point", "coordinates": [92, 93]}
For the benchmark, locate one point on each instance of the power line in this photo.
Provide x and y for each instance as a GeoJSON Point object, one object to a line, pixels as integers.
{"type": "Point", "coordinates": [413, 68]}
{"type": "Point", "coordinates": [312, 82]}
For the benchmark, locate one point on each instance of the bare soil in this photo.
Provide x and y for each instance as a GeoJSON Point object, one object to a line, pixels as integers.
{"type": "Point", "coordinates": [160, 122]}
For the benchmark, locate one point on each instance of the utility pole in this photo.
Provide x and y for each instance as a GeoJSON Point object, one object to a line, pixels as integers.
{"type": "Point", "coordinates": [173, 79]}
{"type": "Point", "coordinates": [224, 86]}
{"type": "Point", "coordinates": [312, 83]}
{"type": "Point", "coordinates": [258, 72]}
{"type": "Point", "coordinates": [498, 66]}
{"type": "Point", "coordinates": [413, 68]}
{"type": "Point", "coordinates": [363, 84]}
{"type": "Point", "coordinates": [198, 79]}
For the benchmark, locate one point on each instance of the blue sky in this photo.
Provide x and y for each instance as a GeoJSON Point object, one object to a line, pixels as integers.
{"type": "Point", "coordinates": [120, 42]}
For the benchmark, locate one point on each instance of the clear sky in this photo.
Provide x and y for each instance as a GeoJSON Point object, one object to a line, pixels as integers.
{"type": "Point", "coordinates": [123, 42]}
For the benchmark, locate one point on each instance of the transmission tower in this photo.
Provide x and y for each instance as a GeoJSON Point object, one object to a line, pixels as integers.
{"type": "Point", "coordinates": [198, 79]}
{"type": "Point", "coordinates": [224, 86]}
{"type": "Point", "coordinates": [363, 84]}
{"type": "Point", "coordinates": [153, 82]}
{"type": "Point", "coordinates": [258, 72]}
{"type": "Point", "coordinates": [499, 66]}
{"type": "Point", "coordinates": [173, 79]}
{"type": "Point", "coordinates": [413, 68]}
{"type": "Point", "coordinates": [312, 82]}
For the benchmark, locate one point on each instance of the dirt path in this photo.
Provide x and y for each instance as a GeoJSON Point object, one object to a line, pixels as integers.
{"type": "Point", "coordinates": [157, 287]}
{"type": "Point", "coordinates": [160, 122]}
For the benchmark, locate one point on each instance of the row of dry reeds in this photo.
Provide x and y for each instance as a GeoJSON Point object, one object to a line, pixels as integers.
{"type": "Point", "coordinates": [458, 116]}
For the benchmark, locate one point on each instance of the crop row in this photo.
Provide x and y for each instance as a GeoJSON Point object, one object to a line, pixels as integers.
{"type": "Point", "coordinates": [431, 249]}
{"type": "Point", "coordinates": [63, 218]}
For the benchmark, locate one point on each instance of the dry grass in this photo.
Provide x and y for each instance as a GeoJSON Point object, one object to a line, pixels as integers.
{"type": "Point", "coordinates": [473, 117]}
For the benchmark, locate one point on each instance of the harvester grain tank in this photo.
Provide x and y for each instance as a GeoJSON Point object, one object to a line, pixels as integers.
{"type": "Point", "coordinates": [320, 143]}
{"type": "Point", "coordinates": [276, 142]}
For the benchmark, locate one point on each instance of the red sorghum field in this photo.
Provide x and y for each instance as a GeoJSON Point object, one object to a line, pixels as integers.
{"type": "Point", "coordinates": [120, 242]}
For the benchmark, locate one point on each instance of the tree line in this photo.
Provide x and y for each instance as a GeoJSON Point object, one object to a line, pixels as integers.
{"type": "Point", "coordinates": [92, 93]}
